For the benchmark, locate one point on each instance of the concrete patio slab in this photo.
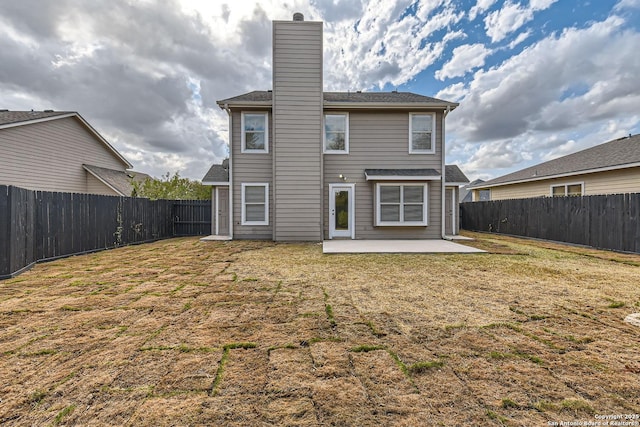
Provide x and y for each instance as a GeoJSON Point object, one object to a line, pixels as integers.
{"type": "Point", "coordinates": [394, 246]}
{"type": "Point", "coordinates": [214, 238]}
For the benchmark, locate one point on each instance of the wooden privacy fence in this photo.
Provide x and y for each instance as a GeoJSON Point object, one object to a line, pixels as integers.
{"type": "Point", "coordinates": [603, 221]}
{"type": "Point", "coordinates": [40, 225]}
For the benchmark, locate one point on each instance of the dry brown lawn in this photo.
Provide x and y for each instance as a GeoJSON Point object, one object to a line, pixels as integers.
{"type": "Point", "coordinates": [181, 332]}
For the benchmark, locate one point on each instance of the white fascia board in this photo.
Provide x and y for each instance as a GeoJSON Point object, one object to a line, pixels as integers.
{"type": "Point", "coordinates": [216, 183]}
{"type": "Point", "coordinates": [561, 175]}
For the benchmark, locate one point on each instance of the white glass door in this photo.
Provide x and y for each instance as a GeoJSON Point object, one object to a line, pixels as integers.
{"type": "Point", "coordinates": [341, 211]}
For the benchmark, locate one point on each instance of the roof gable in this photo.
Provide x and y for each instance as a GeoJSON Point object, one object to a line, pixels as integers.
{"type": "Point", "coordinates": [118, 180]}
{"type": "Point", "coordinates": [9, 119]}
{"type": "Point", "coordinates": [615, 154]}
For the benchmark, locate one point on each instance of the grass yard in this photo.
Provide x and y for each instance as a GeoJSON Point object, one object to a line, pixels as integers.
{"type": "Point", "coordinates": [181, 332]}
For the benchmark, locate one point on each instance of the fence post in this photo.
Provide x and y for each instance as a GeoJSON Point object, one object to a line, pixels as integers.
{"type": "Point", "coordinates": [5, 232]}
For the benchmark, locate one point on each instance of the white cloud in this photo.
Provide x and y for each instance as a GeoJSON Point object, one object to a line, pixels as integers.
{"type": "Point", "coordinates": [464, 59]}
{"type": "Point", "coordinates": [504, 21]}
{"type": "Point", "coordinates": [385, 48]}
{"type": "Point", "coordinates": [454, 93]}
{"type": "Point", "coordinates": [480, 7]}
{"type": "Point", "coordinates": [627, 4]}
{"type": "Point", "coordinates": [541, 4]}
{"type": "Point", "coordinates": [521, 37]}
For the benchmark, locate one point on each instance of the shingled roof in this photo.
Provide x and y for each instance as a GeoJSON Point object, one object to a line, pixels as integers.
{"type": "Point", "coordinates": [12, 117]}
{"type": "Point", "coordinates": [616, 154]}
{"type": "Point", "coordinates": [258, 97]}
{"type": "Point", "coordinates": [217, 173]}
{"type": "Point", "coordinates": [117, 180]}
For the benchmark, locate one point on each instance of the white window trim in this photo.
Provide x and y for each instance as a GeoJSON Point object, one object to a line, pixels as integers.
{"type": "Point", "coordinates": [346, 134]}
{"type": "Point", "coordinates": [243, 148]}
{"type": "Point", "coordinates": [266, 203]}
{"type": "Point", "coordinates": [433, 134]}
{"type": "Point", "coordinates": [566, 188]}
{"type": "Point", "coordinates": [425, 206]}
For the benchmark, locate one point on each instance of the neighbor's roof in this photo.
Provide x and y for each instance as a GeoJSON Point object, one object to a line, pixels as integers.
{"type": "Point", "coordinates": [350, 99]}
{"type": "Point", "coordinates": [217, 173]}
{"type": "Point", "coordinates": [117, 180]}
{"type": "Point", "coordinates": [10, 119]}
{"type": "Point", "coordinates": [617, 154]}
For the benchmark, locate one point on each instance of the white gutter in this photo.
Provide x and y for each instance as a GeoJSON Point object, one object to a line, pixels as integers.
{"type": "Point", "coordinates": [444, 178]}
{"type": "Point", "coordinates": [226, 108]}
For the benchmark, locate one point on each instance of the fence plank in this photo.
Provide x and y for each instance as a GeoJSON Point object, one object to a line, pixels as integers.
{"type": "Point", "coordinates": [602, 221]}
{"type": "Point", "coordinates": [40, 225]}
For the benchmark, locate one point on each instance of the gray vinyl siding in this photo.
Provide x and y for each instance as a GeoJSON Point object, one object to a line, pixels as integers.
{"type": "Point", "coordinates": [380, 140]}
{"type": "Point", "coordinates": [95, 186]}
{"type": "Point", "coordinates": [250, 168]}
{"type": "Point", "coordinates": [297, 129]}
{"type": "Point", "coordinates": [49, 156]}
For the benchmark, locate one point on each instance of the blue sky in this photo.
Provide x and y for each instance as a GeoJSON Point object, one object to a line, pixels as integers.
{"type": "Point", "coordinates": [535, 79]}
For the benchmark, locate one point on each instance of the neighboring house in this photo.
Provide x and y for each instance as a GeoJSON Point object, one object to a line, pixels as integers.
{"type": "Point", "coordinates": [312, 165]}
{"type": "Point", "coordinates": [466, 194]}
{"type": "Point", "coordinates": [609, 168]}
{"type": "Point", "coordinates": [60, 151]}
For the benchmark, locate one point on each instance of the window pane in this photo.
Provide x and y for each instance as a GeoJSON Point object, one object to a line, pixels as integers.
{"type": "Point", "coordinates": [558, 191]}
{"type": "Point", "coordinates": [413, 213]}
{"type": "Point", "coordinates": [574, 190]}
{"type": "Point", "coordinates": [254, 194]}
{"type": "Point", "coordinates": [421, 123]}
{"type": "Point", "coordinates": [254, 141]}
{"type": "Point", "coordinates": [389, 194]}
{"type": "Point", "coordinates": [335, 141]}
{"type": "Point", "coordinates": [254, 212]}
{"type": "Point", "coordinates": [254, 122]}
{"type": "Point", "coordinates": [342, 210]}
{"type": "Point", "coordinates": [413, 194]}
{"type": "Point", "coordinates": [390, 213]}
{"type": "Point", "coordinates": [335, 123]}
{"type": "Point", "coordinates": [421, 141]}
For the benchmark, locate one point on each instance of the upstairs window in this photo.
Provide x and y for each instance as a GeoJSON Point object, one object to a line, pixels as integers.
{"type": "Point", "coordinates": [336, 133]}
{"type": "Point", "coordinates": [422, 135]}
{"type": "Point", "coordinates": [255, 133]}
{"type": "Point", "coordinates": [401, 204]}
{"type": "Point", "coordinates": [567, 190]}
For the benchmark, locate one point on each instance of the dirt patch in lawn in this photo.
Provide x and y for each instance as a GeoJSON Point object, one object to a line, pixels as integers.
{"type": "Point", "coordinates": [182, 332]}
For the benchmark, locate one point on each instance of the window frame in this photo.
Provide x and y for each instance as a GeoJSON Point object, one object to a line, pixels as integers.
{"type": "Point", "coordinates": [402, 223]}
{"type": "Point", "coordinates": [566, 189]}
{"type": "Point", "coordinates": [433, 134]}
{"type": "Point", "coordinates": [243, 139]}
{"type": "Point", "coordinates": [325, 150]}
{"type": "Point", "coordinates": [265, 185]}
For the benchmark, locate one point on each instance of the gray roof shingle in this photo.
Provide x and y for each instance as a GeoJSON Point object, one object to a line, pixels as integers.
{"type": "Point", "coordinates": [120, 180]}
{"type": "Point", "coordinates": [217, 173]}
{"type": "Point", "coordinates": [453, 174]}
{"type": "Point", "coordinates": [616, 153]}
{"type": "Point", "coordinates": [258, 96]}
{"type": "Point", "coordinates": [10, 117]}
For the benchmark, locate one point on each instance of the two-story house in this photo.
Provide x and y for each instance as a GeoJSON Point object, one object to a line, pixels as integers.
{"type": "Point", "coordinates": [311, 165]}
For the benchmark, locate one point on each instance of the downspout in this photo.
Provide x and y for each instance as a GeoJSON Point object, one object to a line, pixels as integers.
{"type": "Point", "coordinates": [444, 178]}
{"type": "Point", "coordinates": [226, 108]}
